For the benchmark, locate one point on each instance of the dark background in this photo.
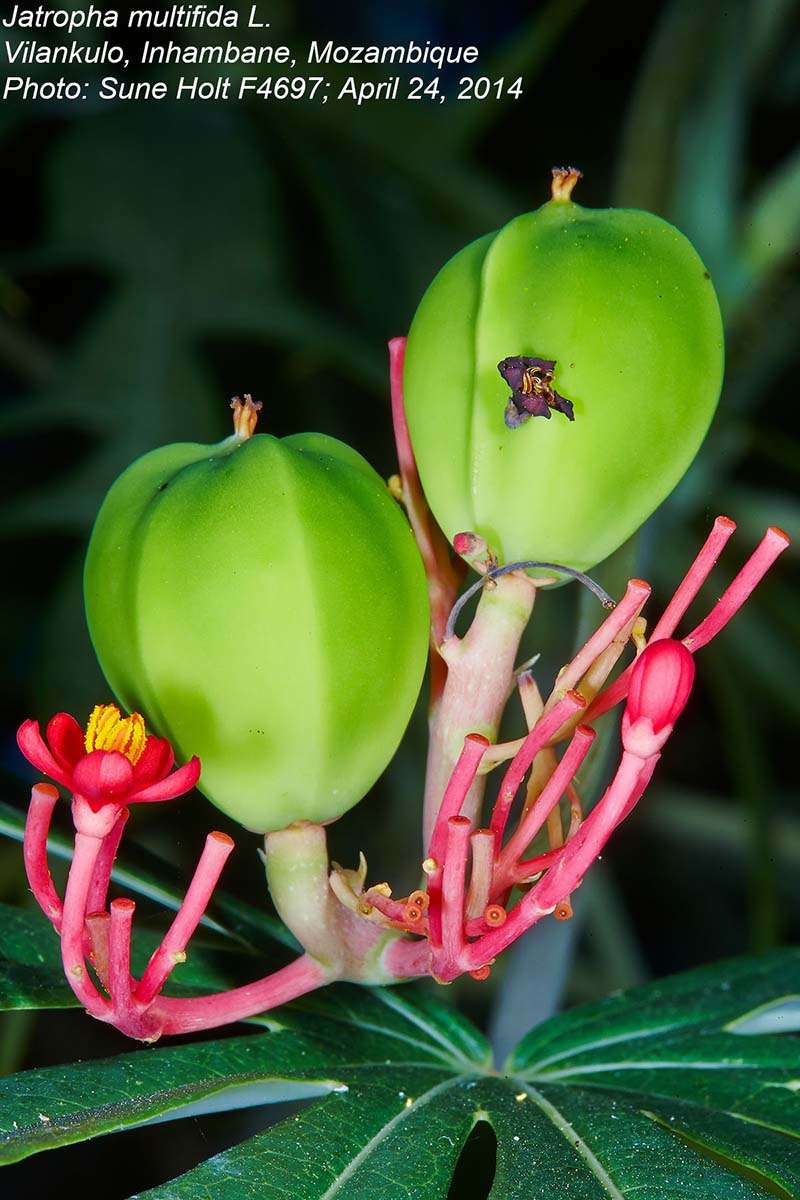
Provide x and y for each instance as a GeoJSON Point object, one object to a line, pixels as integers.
{"type": "Point", "coordinates": [157, 260]}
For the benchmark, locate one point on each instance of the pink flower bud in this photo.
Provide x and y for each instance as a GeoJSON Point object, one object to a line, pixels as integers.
{"type": "Point", "coordinates": [661, 682]}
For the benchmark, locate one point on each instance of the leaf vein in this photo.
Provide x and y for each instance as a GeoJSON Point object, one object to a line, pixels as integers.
{"type": "Point", "coordinates": [571, 1135]}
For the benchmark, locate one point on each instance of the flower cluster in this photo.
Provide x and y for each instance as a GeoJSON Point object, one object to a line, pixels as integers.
{"type": "Point", "coordinates": [483, 888]}
{"type": "Point", "coordinates": [463, 917]}
{"type": "Point", "coordinates": [110, 765]}
{"type": "Point", "coordinates": [484, 882]}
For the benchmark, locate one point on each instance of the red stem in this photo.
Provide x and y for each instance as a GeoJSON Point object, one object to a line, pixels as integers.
{"type": "Point", "coordinates": [480, 879]}
{"type": "Point", "coordinates": [629, 607]}
{"type": "Point", "coordinates": [172, 949]}
{"type": "Point", "coordinates": [407, 958]}
{"type": "Point", "coordinates": [581, 851]}
{"type": "Point", "coordinates": [442, 571]}
{"type": "Point", "coordinates": [44, 798]}
{"type": "Point", "coordinates": [563, 878]}
{"type": "Point", "coordinates": [207, 1012]}
{"type": "Point", "coordinates": [97, 927]}
{"type": "Point", "coordinates": [638, 791]}
{"type": "Point", "coordinates": [537, 814]}
{"type": "Point", "coordinates": [688, 588]}
{"type": "Point", "coordinates": [773, 543]}
{"type": "Point", "coordinates": [458, 786]}
{"type": "Point", "coordinates": [98, 889]}
{"type": "Point", "coordinates": [393, 910]}
{"type": "Point", "coordinates": [453, 883]}
{"type": "Point", "coordinates": [527, 867]}
{"type": "Point", "coordinates": [149, 1020]}
{"type": "Point", "coordinates": [87, 849]}
{"type": "Point", "coordinates": [464, 772]}
{"type": "Point", "coordinates": [119, 955]}
{"type": "Point", "coordinates": [545, 728]}
{"type": "Point", "coordinates": [695, 577]}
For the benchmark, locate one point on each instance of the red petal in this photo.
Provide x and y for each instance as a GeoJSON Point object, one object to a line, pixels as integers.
{"type": "Point", "coordinates": [156, 762]}
{"type": "Point", "coordinates": [103, 776]}
{"type": "Point", "coordinates": [66, 740]}
{"type": "Point", "coordinates": [32, 745]}
{"type": "Point", "coordinates": [176, 784]}
{"type": "Point", "coordinates": [661, 681]}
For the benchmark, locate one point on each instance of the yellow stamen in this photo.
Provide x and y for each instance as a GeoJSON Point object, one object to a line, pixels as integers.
{"type": "Point", "coordinates": [109, 730]}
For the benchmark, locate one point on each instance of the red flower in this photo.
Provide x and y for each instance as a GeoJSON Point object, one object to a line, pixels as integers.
{"type": "Point", "coordinates": [113, 762]}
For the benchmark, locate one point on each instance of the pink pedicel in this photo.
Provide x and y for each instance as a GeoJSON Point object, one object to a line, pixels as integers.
{"type": "Point", "coordinates": [44, 798]}
{"type": "Point", "coordinates": [771, 546]}
{"type": "Point", "coordinates": [546, 727]}
{"type": "Point", "coordinates": [442, 571]}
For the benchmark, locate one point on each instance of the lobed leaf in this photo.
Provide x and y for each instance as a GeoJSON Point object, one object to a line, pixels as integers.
{"type": "Point", "coordinates": [684, 1087]}
{"type": "Point", "coordinates": [369, 1039]}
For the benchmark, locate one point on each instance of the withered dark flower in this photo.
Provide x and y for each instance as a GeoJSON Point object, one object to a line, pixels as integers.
{"type": "Point", "coordinates": [532, 391]}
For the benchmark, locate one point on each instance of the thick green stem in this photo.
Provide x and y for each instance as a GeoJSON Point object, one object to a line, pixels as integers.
{"type": "Point", "coordinates": [345, 944]}
{"type": "Point", "coordinates": [480, 679]}
{"type": "Point", "coordinates": [296, 861]}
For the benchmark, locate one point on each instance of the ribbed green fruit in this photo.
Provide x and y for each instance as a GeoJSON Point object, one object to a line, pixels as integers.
{"type": "Point", "coordinates": [622, 302]}
{"type": "Point", "coordinates": [263, 604]}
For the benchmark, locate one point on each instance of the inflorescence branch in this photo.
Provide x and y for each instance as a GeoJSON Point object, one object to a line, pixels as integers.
{"type": "Point", "coordinates": [95, 940]}
{"type": "Point", "coordinates": [443, 570]}
{"type": "Point", "coordinates": [492, 867]}
{"type": "Point", "coordinates": [485, 880]}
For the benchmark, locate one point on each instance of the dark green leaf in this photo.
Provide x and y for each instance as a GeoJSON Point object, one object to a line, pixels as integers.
{"type": "Point", "coordinates": [375, 1045]}
{"type": "Point", "coordinates": [681, 1088]}
{"type": "Point", "coordinates": [393, 1134]}
{"type": "Point", "coordinates": [645, 1079]}
{"type": "Point", "coordinates": [30, 964]}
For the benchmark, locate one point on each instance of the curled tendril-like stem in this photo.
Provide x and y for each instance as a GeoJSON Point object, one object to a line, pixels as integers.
{"type": "Point", "coordinates": [526, 565]}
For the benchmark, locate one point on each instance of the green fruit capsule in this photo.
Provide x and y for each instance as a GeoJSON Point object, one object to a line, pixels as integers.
{"type": "Point", "coordinates": [263, 603]}
{"type": "Point", "coordinates": [607, 316]}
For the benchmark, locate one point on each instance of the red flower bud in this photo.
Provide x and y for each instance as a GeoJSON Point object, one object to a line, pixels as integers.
{"type": "Point", "coordinates": [661, 682]}
{"type": "Point", "coordinates": [115, 762]}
